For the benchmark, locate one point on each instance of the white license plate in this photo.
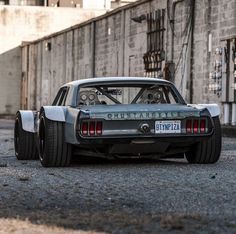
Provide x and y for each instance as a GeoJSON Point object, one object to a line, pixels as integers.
{"type": "Point", "coordinates": [173, 126]}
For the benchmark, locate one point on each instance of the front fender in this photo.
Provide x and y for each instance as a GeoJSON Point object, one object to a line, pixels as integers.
{"type": "Point", "coordinates": [54, 113]}
{"type": "Point", "coordinates": [29, 120]}
{"type": "Point", "coordinates": [214, 109]}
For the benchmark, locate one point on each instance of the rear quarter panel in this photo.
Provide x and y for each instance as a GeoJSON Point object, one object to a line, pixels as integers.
{"type": "Point", "coordinates": [70, 125]}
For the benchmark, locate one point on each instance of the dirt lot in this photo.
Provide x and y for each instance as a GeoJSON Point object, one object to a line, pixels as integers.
{"type": "Point", "coordinates": [131, 196]}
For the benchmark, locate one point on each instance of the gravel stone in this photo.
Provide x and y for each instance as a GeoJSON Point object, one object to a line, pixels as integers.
{"type": "Point", "coordinates": [121, 196]}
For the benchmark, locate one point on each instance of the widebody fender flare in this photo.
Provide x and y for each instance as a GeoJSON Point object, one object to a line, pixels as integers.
{"type": "Point", "coordinates": [214, 109]}
{"type": "Point", "coordinates": [54, 113]}
{"type": "Point", "coordinates": [29, 120]}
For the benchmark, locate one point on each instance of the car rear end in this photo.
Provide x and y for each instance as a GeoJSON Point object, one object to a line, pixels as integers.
{"type": "Point", "coordinates": [143, 129]}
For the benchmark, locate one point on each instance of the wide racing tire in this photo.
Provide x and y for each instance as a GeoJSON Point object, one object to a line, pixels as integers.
{"type": "Point", "coordinates": [53, 150]}
{"type": "Point", "coordinates": [207, 151]}
{"type": "Point", "coordinates": [24, 142]}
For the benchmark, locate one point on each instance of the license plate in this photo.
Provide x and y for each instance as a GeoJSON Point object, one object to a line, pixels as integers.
{"type": "Point", "coordinates": [173, 126]}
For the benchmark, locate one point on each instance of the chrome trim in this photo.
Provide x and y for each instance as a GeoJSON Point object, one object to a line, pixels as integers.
{"type": "Point", "coordinates": [143, 115]}
{"type": "Point", "coordinates": [143, 141]}
{"type": "Point", "coordinates": [124, 132]}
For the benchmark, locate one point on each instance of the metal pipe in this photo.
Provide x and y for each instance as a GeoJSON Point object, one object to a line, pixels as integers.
{"type": "Point", "coordinates": [226, 113]}
{"type": "Point", "coordinates": [233, 122]}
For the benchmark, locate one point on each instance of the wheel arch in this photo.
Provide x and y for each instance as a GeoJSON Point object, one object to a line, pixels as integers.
{"type": "Point", "coordinates": [214, 109]}
{"type": "Point", "coordinates": [29, 120]}
{"type": "Point", "coordinates": [54, 113]}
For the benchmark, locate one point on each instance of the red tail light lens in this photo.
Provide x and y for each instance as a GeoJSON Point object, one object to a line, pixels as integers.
{"type": "Point", "coordinates": [99, 128]}
{"type": "Point", "coordinates": [189, 126]}
{"type": "Point", "coordinates": [92, 128]}
{"type": "Point", "coordinates": [195, 126]}
{"type": "Point", "coordinates": [203, 126]}
{"type": "Point", "coordinates": [84, 128]}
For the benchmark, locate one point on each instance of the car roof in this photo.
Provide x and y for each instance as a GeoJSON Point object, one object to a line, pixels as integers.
{"type": "Point", "coordinates": [116, 79]}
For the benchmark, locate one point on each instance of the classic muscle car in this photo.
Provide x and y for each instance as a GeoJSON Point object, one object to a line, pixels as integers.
{"type": "Point", "coordinates": [118, 117]}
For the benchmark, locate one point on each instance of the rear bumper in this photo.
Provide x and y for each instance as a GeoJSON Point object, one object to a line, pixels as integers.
{"type": "Point", "coordinates": [180, 141]}
{"type": "Point", "coordinates": [141, 146]}
{"type": "Point", "coordinates": [156, 138]}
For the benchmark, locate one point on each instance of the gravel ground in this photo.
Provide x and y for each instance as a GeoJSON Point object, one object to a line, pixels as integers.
{"type": "Point", "coordinates": [129, 196]}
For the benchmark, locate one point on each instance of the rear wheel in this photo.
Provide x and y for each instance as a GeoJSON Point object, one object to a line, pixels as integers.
{"type": "Point", "coordinates": [54, 151]}
{"type": "Point", "coordinates": [207, 151]}
{"type": "Point", "coordinates": [24, 142]}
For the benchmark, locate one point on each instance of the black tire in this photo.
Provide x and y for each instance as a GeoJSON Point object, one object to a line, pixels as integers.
{"type": "Point", "coordinates": [24, 142]}
{"type": "Point", "coordinates": [53, 150]}
{"type": "Point", "coordinates": [207, 151]}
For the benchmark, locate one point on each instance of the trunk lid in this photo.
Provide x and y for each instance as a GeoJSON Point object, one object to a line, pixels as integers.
{"type": "Point", "coordinates": [140, 111]}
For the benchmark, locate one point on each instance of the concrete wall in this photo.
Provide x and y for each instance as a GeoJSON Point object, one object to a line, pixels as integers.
{"type": "Point", "coordinates": [10, 85]}
{"type": "Point", "coordinates": [109, 46]}
{"type": "Point", "coordinates": [114, 45]}
{"type": "Point", "coordinates": [19, 24]}
{"type": "Point", "coordinates": [218, 19]}
{"type": "Point", "coordinates": [85, 4]}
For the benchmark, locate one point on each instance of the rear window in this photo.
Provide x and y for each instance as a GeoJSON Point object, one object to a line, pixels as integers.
{"type": "Point", "coordinates": [129, 94]}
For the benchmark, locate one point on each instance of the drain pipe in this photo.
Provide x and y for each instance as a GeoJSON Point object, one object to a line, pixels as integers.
{"type": "Point", "coordinates": [233, 122]}
{"type": "Point", "coordinates": [226, 113]}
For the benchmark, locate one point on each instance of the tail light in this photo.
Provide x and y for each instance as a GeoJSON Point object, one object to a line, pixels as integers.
{"type": "Point", "coordinates": [196, 126]}
{"type": "Point", "coordinates": [84, 128]}
{"type": "Point", "coordinates": [203, 126]}
{"type": "Point", "coordinates": [99, 128]}
{"type": "Point", "coordinates": [91, 128]}
{"type": "Point", "coordinates": [189, 126]}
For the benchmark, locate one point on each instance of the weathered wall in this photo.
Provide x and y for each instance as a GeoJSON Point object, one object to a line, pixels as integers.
{"type": "Point", "coordinates": [19, 24]}
{"type": "Point", "coordinates": [85, 4]}
{"type": "Point", "coordinates": [109, 46]}
{"type": "Point", "coordinates": [11, 84]}
{"type": "Point", "coordinates": [114, 45]}
{"type": "Point", "coordinates": [218, 19]}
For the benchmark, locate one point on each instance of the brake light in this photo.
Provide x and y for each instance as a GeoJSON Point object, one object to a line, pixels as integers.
{"type": "Point", "coordinates": [99, 128]}
{"type": "Point", "coordinates": [189, 126]}
{"type": "Point", "coordinates": [84, 128]}
{"type": "Point", "coordinates": [195, 126]}
{"type": "Point", "coordinates": [203, 126]}
{"type": "Point", "coordinates": [91, 128]}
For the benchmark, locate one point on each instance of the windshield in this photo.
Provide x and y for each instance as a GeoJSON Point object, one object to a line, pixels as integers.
{"type": "Point", "coordinates": [126, 94]}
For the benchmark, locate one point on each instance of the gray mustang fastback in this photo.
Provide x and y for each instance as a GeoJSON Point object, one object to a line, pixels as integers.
{"type": "Point", "coordinates": [118, 117]}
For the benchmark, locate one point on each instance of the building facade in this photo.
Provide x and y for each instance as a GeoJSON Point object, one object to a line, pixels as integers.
{"type": "Point", "coordinates": [84, 4]}
{"type": "Point", "coordinates": [191, 43]}
{"type": "Point", "coordinates": [24, 23]}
